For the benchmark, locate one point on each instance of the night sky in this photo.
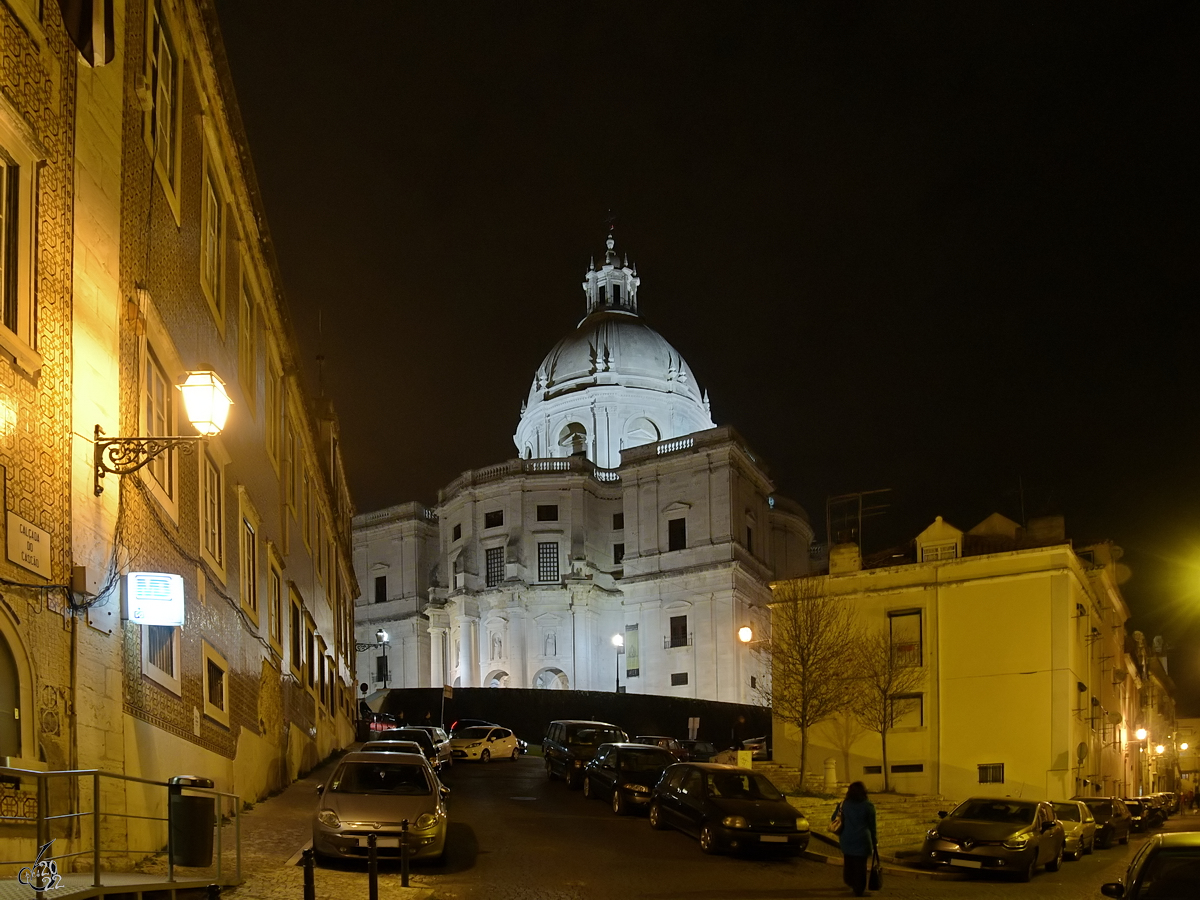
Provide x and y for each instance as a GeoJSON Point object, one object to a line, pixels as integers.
{"type": "Point", "coordinates": [943, 248]}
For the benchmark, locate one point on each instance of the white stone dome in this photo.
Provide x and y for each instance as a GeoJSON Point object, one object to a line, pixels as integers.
{"type": "Point", "coordinates": [611, 384]}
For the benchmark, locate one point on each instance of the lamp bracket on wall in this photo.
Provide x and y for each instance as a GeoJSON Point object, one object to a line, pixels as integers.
{"type": "Point", "coordinates": [121, 456]}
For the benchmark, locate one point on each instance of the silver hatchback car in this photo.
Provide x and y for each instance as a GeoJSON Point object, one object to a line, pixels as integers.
{"type": "Point", "coordinates": [395, 796]}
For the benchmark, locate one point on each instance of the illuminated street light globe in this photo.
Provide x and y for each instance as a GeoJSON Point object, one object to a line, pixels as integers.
{"type": "Point", "coordinates": [1183, 746]}
{"type": "Point", "coordinates": [206, 401]}
{"type": "Point", "coordinates": [1140, 734]}
{"type": "Point", "coordinates": [618, 640]}
{"type": "Point", "coordinates": [745, 633]}
{"type": "Point", "coordinates": [1160, 749]}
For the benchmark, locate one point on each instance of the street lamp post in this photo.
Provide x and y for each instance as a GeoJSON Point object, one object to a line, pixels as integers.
{"type": "Point", "coordinates": [618, 642]}
{"type": "Point", "coordinates": [381, 642]}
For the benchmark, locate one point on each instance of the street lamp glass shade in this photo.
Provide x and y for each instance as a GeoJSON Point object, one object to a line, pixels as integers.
{"type": "Point", "coordinates": [1183, 746]}
{"type": "Point", "coordinates": [745, 634]}
{"type": "Point", "coordinates": [1160, 749]}
{"type": "Point", "coordinates": [618, 640]}
{"type": "Point", "coordinates": [206, 401]}
{"type": "Point", "coordinates": [381, 636]}
{"type": "Point", "coordinates": [1140, 734]}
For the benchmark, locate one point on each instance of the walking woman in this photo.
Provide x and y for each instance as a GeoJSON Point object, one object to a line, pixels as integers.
{"type": "Point", "coordinates": [858, 839]}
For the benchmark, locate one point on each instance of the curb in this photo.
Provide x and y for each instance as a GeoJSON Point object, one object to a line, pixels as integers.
{"type": "Point", "coordinates": [893, 865]}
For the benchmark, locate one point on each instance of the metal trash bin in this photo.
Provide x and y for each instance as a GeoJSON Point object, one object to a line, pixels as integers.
{"type": "Point", "coordinates": [191, 820]}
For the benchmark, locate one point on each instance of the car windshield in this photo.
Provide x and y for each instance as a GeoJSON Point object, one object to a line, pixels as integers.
{"type": "Point", "coordinates": [1135, 806]}
{"type": "Point", "coordinates": [1100, 807]}
{"type": "Point", "coordinates": [594, 737]}
{"type": "Point", "coordinates": [415, 735]}
{"type": "Point", "coordinates": [1068, 812]}
{"type": "Point", "coordinates": [477, 733]}
{"type": "Point", "coordinates": [995, 811]}
{"type": "Point", "coordinates": [650, 758]}
{"type": "Point", "coordinates": [1171, 874]}
{"type": "Point", "coordinates": [741, 786]}
{"type": "Point", "coordinates": [380, 778]}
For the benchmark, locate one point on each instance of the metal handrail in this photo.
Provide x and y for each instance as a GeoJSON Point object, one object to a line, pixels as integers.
{"type": "Point", "coordinates": [43, 819]}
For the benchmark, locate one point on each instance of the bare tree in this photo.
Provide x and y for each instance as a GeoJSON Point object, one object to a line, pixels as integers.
{"type": "Point", "coordinates": [812, 651]}
{"type": "Point", "coordinates": [886, 675]}
{"type": "Point", "coordinates": [842, 731]}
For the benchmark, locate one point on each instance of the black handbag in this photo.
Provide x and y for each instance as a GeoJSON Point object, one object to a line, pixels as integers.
{"type": "Point", "coordinates": [875, 879]}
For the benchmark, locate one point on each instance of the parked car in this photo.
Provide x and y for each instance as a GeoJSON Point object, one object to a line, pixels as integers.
{"type": "Point", "coordinates": [699, 751]}
{"type": "Point", "coordinates": [1113, 820]}
{"type": "Point", "coordinates": [997, 834]}
{"type": "Point", "coordinates": [759, 747]}
{"type": "Point", "coordinates": [441, 741]}
{"type": "Point", "coordinates": [1144, 816]}
{"type": "Point", "coordinates": [1166, 867]}
{"type": "Point", "coordinates": [1079, 827]}
{"type": "Point", "coordinates": [393, 747]}
{"type": "Point", "coordinates": [420, 736]}
{"type": "Point", "coordinates": [1156, 810]}
{"type": "Point", "coordinates": [459, 724]}
{"type": "Point", "coordinates": [485, 743]}
{"type": "Point", "coordinates": [670, 744]}
{"type": "Point", "coordinates": [624, 774]}
{"type": "Point", "coordinates": [375, 792]}
{"type": "Point", "coordinates": [570, 744]}
{"type": "Point", "coordinates": [1170, 802]}
{"type": "Point", "coordinates": [727, 808]}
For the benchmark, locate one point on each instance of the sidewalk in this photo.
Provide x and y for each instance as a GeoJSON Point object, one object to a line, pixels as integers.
{"type": "Point", "coordinates": [276, 830]}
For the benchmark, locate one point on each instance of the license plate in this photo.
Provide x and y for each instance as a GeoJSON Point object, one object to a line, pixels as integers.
{"type": "Point", "coordinates": [967, 863]}
{"type": "Point", "coordinates": [773, 839]}
{"type": "Point", "coordinates": [381, 842]}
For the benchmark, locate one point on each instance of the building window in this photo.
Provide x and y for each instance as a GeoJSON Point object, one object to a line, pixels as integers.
{"type": "Point", "coordinates": [306, 507]}
{"type": "Point", "coordinates": [749, 539]}
{"type": "Point", "coordinates": [381, 589]}
{"type": "Point", "coordinates": [211, 509]}
{"type": "Point", "coordinates": [616, 295]}
{"type": "Point", "coordinates": [904, 768]}
{"type": "Point", "coordinates": [991, 773]}
{"type": "Point", "coordinates": [160, 655]}
{"type": "Point", "coordinates": [212, 212]}
{"type": "Point", "coordinates": [679, 631]}
{"type": "Point", "coordinates": [905, 629]}
{"type": "Point", "coordinates": [493, 518]}
{"type": "Point", "coordinates": [292, 463]}
{"type": "Point", "coordinates": [18, 213]}
{"type": "Point", "coordinates": [322, 548]}
{"type": "Point", "coordinates": [676, 534]}
{"type": "Point", "coordinates": [160, 422]}
{"type": "Point", "coordinates": [547, 512]}
{"type": "Point", "coordinates": [322, 673]}
{"type": "Point", "coordinates": [247, 357]}
{"type": "Point", "coordinates": [618, 554]}
{"type": "Point", "coordinates": [296, 643]}
{"type": "Point", "coordinates": [310, 649]}
{"type": "Point", "coordinates": [679, 678]}
{"type": "Point", "coordinates": [494, 565]}
{"type": "Point", "coordinates": [249, 569]}
{"type": "Point", "coordinates": [753, 682]}
{"type": "Point", "coordinates": [163, 94]}
{"type": "Point", "coordinates": [935, 552]}
{"type": "Point", "coordinates": [216, 685]}
{"type": "Point", "coordinates": [275, 604]}
{"type": "Point", "coordinates": [273, 424]}
{"type": "Point", "coordinates": [872, 770]}
{"type": "Point", "coordinates": [547, 560]}
{"type": "Point", "coordinates": [456, 532]}
{"type": "Point", "coordinates": [909, 710]}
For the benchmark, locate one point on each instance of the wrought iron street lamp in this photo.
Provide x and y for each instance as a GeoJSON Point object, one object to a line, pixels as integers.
{"type": "Point", "coordinates": [207, 405]}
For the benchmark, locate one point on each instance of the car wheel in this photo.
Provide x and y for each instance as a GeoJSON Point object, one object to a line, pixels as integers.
{"type": "Point", "coordinates": [1091, 845]}
{"type": "Point", "coordinates": [1124, 838]}
{"type": "Point", "coordinates": [588, 790]}
{"type": "Point", "coordinates": [549, 771]}
{"type": "Point", "coordinates": [1055, 864]}
{"type": "Point", "coordinates": [1026, 874]}
{"type": "Point", "coordinates": [656, 819]}
{"type": "Point", "coordinates": [515, 754]}
{"type": "Point", "coordinates": [618, 802]}
{"type": "Point", "coordinates": [485, 756]}
{"type": "Point", "coordinates": [708, 838]}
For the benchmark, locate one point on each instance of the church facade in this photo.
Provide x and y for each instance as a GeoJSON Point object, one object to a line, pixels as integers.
{"type": "Point", "coordinates": [621, 550]}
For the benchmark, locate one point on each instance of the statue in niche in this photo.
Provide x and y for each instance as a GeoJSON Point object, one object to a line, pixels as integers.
{"type": "Point", "coordinates": [550, 644]}
{"type": "Point", "coordinates": [497, 646]}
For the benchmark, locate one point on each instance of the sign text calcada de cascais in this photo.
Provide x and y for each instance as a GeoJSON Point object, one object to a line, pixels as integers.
{"type": "Point", "coordinates": [28, 545]}
{"type": "Point", "coordinates": [154, 598]}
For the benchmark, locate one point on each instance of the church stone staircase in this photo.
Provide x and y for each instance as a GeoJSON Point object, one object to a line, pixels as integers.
{"type": "Point", "coordinates": [900, 819]}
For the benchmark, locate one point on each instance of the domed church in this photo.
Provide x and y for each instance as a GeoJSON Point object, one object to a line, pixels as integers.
{"type": "Point", "coordinates": [622, 549]}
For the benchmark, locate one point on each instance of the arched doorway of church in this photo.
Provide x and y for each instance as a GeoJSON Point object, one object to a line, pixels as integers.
{"type": "Point", "coordinates": [551, 679]}
{"type": "Point", "coordinates": [497, 679]}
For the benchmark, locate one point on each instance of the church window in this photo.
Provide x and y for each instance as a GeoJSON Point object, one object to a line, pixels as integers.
{"type": "Point", "coordinates": [616, 295]}
{"type": "Point", "coordinates": [493, 518]}
{"type": "Point", "coordinates": [456, 533]}
{"type": "Point", "coordinates": [380, 588]}
{"type": "Point", "coordinates": [618, 521]}
{"type": "Point", "coordinates": [494, 565]}
{"type": "Point", "coordinates": [749, 539]}
{"type": "Point", "coordinates": [600, 294]}
{"type": "Point", "coordinates": [676, 534]}
{"type": "Point", "coordinates": [573, 439]}
{"type": "Point", "coordinates": [618, 554]}
{"type": "Point", "coordinates": [547, 560]}
{"type": "Point", "coordinates": [641, 431]}
{"type": "Point", "coordinates": [679, 631]}
{"type": "Point", "coordinates": [547, 512]}
{"type": "Point", "coordinates": [678, 679]}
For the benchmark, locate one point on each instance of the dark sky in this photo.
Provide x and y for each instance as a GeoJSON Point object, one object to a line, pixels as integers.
{"type": "Point", "coordinates": [944, 248]}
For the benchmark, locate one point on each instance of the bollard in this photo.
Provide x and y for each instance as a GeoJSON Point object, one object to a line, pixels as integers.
{"type": "Point", "coordinates": [309, 856]}
{"type": "Point", "coordinates": [404, 853]}
{"type": "Point", "coordinates": [372, 867]}
{"type": "Point", "coordinates": [214, 892]}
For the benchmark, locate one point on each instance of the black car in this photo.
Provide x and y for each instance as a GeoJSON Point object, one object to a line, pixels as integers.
{"type": "Point", "coordinates": [624, 774]}
{"type": "Point", "coordinates": [1113, 821]}
{"type": "Point", "coordinates": [570, 744]}
{"type": "Point", "coordinates": [1141, 817]}
{"type": "Point", "coordinates": [421, 736]}
{"type": "Point", "coordinates": [727, 808]}
{"type": "Point", "coordinates": [1167, 867]}
{"type": "Point", "coordinates": [699, 751]}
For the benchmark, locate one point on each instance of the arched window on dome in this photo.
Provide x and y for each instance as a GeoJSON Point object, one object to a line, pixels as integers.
{"type": "Point", "coordinates": [528, 452]}
{"type": "Point", "coordinates": [641, 431]}
{"type": "Point", "coordinates": [572, 440]}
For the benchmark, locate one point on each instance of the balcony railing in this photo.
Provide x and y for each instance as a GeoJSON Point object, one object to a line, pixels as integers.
{"type": "Point", "coordinates": [677, 640]}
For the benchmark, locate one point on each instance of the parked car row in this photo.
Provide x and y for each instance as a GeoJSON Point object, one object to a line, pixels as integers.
{"type": "Point", "coordinates": [725, 807]}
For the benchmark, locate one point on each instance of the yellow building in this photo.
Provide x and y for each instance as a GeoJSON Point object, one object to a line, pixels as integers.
{"type": "Point", "coordinates": [133, 251]}
{"type": "Point", "coordinates": [1028, 688]}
